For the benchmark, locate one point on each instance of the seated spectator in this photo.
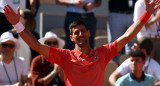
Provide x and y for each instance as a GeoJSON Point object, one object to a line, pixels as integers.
{"type": "Point", "coordinates": [136, 77]}
{"type": "Point", "coordinates": [44, 73]}
{"type": "Point", "coordinates": [13, 70]}
{"type": "Point", "coordinates": [150, 29]}
{"type": "Point", "coordinates": [151, 66]}
{"type": "Point", "coordinates": [29, 22]}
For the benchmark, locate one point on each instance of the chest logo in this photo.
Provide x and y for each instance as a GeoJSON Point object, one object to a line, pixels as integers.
{"type": "Point", "coordinates": [95, 58]}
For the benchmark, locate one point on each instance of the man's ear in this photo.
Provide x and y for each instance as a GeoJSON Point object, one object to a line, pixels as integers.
{"type": "Point", "coordinates": [144, 51]}
{"type": "Point", "coordinates": [89, 33]}
{"type": "Point", "coordinates": [144, 62]}
{"type": "Point", "coordinates": [71, 38]}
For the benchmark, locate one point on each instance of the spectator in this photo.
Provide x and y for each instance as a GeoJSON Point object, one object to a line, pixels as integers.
{"type": "Point", "coordinates": [83, 64]}
{"type": "Point", "coordinates": [80, 10]}
{"type": "Point", "coordinates": [29, 22]}
{"type": "Point", "coordinates": [150, 28]}
{"type": "Point", "coordinates": [136, 77]}
{"type": "Point", "coordinates": [41, 70]}
{"type": "Point", "coordinates": [4, 24]}
{"type": "Point", "coordinates": [151, 66]}
{"type": "Point", "coordinates": [33, 5]}
{"type": "Point", "coordinates": [120, 18]}
{"type": "Point", "coordinates": [13, 70]}
{"type": "Point", "coordinates": [135, 45]}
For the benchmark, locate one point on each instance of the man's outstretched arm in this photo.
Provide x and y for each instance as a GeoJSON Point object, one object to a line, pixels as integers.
{"type": "Point", "coordinates": [136, 27]}
{"type": "Point", "coordinates": [113, 77]}
{"type": "Point", "coordinates": [14, 18]}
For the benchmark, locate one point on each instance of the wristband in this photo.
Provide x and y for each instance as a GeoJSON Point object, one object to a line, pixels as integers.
{"type": "Point", "coordinates": [19, 27]}
{"type": "Point", "coordinates": [144, 18]}
{"type": "Point", "coordinates": [55, 77]}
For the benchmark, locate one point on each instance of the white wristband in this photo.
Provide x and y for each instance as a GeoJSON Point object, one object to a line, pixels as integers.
{"type": "Point", "coordinates": [19, 27]}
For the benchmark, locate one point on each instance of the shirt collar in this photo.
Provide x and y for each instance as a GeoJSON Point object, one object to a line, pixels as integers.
{"type": "Point", "coordinates": [78, 53]}
{"type": "Point", "coordinates": [134, 77]}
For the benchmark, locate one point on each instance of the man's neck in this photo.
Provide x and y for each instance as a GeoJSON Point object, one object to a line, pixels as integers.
{"type": "Point", "coordinates": [83, 49]}
{"type": "Point", "coordinates": [6, 59]}
{"type": "Point", "coordinates": [138, 75]}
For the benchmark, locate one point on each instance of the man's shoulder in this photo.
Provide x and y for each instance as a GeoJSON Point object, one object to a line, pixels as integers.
{"type": "Point", "coordinates": [148, 77]}
{"type": "Point", "coordinates": [154, 63]}
{"type": "Point", "coordinates": [19, 59]}
{"type": "Point", "coordinates": [124, 78]}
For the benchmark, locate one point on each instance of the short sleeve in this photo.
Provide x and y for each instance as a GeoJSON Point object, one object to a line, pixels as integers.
{"type": "Point", "coordinates": [110, 50]}
{"type": "Point", "coordinates": [58, 55]}
{"type": "Point", "coordinates": [119, 82]}
{"type": "Point", "coordinates": [157, 70]}
{"type": "Point", "coordinates": [25, 68]}
{"type": "Point", "coordinates": [124, 68]}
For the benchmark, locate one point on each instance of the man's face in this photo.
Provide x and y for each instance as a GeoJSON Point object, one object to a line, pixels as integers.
{"type": "Point", "coordinates": [136, 64]}
{"type": "Point", "coordinates": [80, 35]}
{"type": "Point", "coordinates": [53, 42]}
{"type": "Point", "coordinates": [22, 20]}
{"type": "Point", "coordinates": [135, 47]}
{"type": "Point", "coordinates": [7, 48]}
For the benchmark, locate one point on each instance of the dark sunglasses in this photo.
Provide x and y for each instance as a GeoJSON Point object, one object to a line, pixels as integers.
{"type": "Point", "coordinates": [51, 42]}
{"type": "Point", "coordinates": [4, 45]}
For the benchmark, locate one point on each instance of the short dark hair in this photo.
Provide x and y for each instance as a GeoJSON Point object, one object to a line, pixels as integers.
{"type": "Point", "coordinates": [76, 23]}
{"type": "Point", "coordinates": [146, 43]}
{"type": "Point", "coordinates": [137, 53]}
{"type": "Point", "coordinates": [30, 20]}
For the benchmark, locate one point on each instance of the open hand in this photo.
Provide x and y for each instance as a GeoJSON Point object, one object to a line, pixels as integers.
{"type": "Point", "coordinates": [11, 16]}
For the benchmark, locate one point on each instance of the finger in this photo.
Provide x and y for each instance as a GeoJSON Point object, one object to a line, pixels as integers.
{"type": "Point", "coordinates": [157, 1]}
{"type": "Point", "coordinates": [18, 11]}
{"type": "Point", "coordinates": [6, 9]}
{"type": "Point", "coordinates": [157, 4]}
{"type": "Point", "coordinates": [10, 9]}
{"type": "Point", "coordinates": [5, 14]}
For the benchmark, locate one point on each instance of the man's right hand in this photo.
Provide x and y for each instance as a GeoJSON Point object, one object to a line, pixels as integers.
{"type": "Point", "coordinates": [11, 16]}
{"type": "Point", "coordinates": [79, 3]}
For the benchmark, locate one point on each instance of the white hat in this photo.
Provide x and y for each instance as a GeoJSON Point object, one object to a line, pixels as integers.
{"type": "Point", "coordinates": [49, 35]}
{"type": "Point", "coordinates": [6, 36]}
